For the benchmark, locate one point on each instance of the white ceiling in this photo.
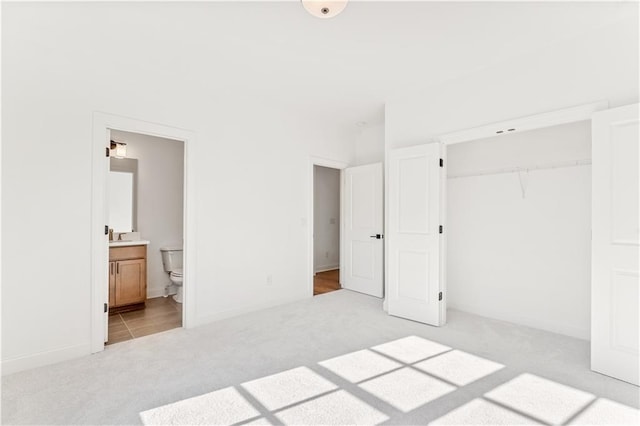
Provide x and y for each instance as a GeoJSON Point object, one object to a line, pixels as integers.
{"type": "Point", "coordinates": [339, 69]}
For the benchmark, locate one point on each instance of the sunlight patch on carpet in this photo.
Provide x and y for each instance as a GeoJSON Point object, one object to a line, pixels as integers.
{"type": "Point", "coordinates": [482, 412]}
{"type": "Point", "coordinates": [224, 406]}
{"type": "Point", "coordinates": [401, 375]}
{"type": "Point", "coordinates": [361, 365]}
{"type": "Point", "coordinates": [406, 389]}
{"type": "Point", "coordinates": [411, 349]}
{"type": "Point", "coordinates": [261, 421]}
{"type": "Point", "coordinates": [540, 398]}
{"type": "Point", "coordinates": [289, 387]}
{"type": "Point", "coordinates": [458, 367]}
{"type": "Point", "coordinates": [337, 408]}
{"type": "Point", "coordinates": [607, 412]}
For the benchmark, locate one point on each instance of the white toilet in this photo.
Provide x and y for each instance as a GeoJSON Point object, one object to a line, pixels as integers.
{"type": "Point", "coordinates": [172, 263]}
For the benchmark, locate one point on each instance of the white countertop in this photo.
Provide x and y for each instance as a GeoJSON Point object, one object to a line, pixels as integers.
{"type": "Point", "coordinates": [128, 243]}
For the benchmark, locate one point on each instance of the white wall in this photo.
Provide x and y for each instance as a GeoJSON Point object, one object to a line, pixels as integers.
{"type": "Point", "coordinates": [600, 65]}
{"type": "Point", "coordinates": [369, 145]}
{"type": "Point", "coordinates": [326, 218]}
{"type": "Point", "coordinates": [160, 199]}
{"type": "Point", "coordinates": [522, 259]}
{"type": "Point", "coordinates": [251, 177]}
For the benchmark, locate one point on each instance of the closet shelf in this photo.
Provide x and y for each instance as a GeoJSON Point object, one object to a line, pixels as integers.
{"type": "Point", "coordinates": [556, 165]}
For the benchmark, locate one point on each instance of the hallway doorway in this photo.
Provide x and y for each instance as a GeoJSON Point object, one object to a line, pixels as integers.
{"type": "Point", "coordinates": [326, 229]}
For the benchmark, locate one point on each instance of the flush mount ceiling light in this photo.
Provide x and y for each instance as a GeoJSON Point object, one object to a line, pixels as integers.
{"type": "Point", "coordinates": [324, 9]}
{"type": "Point", "coordinates": [120, 149]}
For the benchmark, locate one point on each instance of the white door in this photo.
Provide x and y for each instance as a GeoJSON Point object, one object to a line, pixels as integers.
{"type": "Point", "coordinates": [615, 241]}
{"type": "Point", "coordinates": [363, 233]}
{"type": "Point", "coordinates": [414, 239]}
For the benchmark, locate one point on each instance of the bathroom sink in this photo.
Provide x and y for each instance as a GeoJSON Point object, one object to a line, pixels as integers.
{"type": "Point", "coordinates": [121, 243]}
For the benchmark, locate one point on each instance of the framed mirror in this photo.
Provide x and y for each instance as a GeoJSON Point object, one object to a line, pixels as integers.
{"type": "Point", "coordinates": [123, 194]}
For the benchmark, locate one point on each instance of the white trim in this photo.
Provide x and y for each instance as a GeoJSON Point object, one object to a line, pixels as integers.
{"type": "Point", "coordinates": [327, 268]}
{"type": "Point", "coordinates": [102, 124]}
{"type": "Point", "coordinates": [547, 119]}
{"type": "Point", "coordinates": [157, 292]}
{"type": "Point", "coordinates": [41, 359]}
{"type": "Point", "coordinates": [324, 162]}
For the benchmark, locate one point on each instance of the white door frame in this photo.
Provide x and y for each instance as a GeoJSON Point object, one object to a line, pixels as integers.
{"type": "Point", "coordinates": [573, 114]}
{"type": "Point", "coordinates": [547, 119]}
{"type": "Point", "coordinates": [102, 124]}
{"type": "Point", "coordinates": [324, 162]}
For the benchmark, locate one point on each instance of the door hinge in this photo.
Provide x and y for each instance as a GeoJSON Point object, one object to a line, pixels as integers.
{"type": "Point", "coordinates": [107, 151]}
{"type": "Point", "coordinates": [106, 230]}
{"type": "Point", "coordinates": [441, 162]}
{"type": "Point", "coordinates": [440, 296]}
{"type": "Point", "coordinates": [441, 229]}
{"type": "Point", "coordinates": [106, 308]}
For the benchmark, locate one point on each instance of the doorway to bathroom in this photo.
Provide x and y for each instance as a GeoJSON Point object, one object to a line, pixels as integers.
{"type": "Point", "coordinates": [143, 198]}
{"type": "Point", "coordinates": [326, 229]}
{"type": "Point", "coordinates": [145, 216]}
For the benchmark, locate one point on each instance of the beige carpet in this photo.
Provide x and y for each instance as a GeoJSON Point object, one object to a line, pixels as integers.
{"type": "Point", "coordinates": [404, 374]}
{"type": "Point", "coordinates": [333, 359]}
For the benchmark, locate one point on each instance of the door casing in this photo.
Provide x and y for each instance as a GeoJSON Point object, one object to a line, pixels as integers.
{"type": "Point", "coordinates": [333, 164]}
{"type": "Point", "coordinates": [103, 123]}
{"type": "Point", "coordinates": [552, 118]}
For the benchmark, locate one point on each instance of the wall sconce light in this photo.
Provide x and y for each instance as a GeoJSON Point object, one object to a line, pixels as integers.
{"type": "Point", "coordinates": [324, 8]}
{"type": "Point", "coordinates": [120, 149]}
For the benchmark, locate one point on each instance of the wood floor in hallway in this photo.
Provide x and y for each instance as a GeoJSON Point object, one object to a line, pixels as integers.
{"type": "Point", "coordinates": [327, 281]}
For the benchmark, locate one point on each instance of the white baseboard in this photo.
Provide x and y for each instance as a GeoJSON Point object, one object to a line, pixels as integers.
{"type": "Point", "coordinates": [152, 293]}
{"type": "Point", "coordinates": [327, 268]}
{"type": "Point", "coordinates": [230, 313]}
{"type": "Point", "coordinates": [14, 365]}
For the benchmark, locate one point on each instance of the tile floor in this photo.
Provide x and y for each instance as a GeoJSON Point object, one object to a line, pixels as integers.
{"type": "Point", "coordinates": [327, 281]}
{"type": "Point", "coordinates": [160, 314]}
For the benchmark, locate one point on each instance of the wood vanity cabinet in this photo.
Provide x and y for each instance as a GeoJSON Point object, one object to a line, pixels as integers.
{"type": "Point", "coordinates": [127, 277]}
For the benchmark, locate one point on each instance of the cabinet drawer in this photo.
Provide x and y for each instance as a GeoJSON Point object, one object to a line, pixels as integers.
{"type": "Point", "coordinates": [129, 252]}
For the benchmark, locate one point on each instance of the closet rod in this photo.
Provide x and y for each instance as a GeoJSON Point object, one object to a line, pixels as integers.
{"type": "Point", "coordinates": [556, 165]}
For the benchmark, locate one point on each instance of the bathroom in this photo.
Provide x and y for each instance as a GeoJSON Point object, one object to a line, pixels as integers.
{"type": "Point", "coordinates": [146, 204]}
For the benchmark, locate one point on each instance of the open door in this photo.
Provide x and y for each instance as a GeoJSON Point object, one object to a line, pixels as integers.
{"type": "Point", "coordinates": [615, 244]}
{"type": "Point", "coordinates": [414, 237]}
{"type": "Point", "coordinates": [363, 208]}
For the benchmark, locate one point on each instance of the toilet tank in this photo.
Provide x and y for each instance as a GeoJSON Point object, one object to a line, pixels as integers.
{"type": "Point", "coordinates": [171, 258]}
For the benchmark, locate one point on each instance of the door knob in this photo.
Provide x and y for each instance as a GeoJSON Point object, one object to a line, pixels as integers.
{"type": "Point", "coordinates": [377, 236]}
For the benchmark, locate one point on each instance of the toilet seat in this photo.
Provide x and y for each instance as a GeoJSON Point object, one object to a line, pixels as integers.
{"type": "Point", "coordinates": [176, 278]}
